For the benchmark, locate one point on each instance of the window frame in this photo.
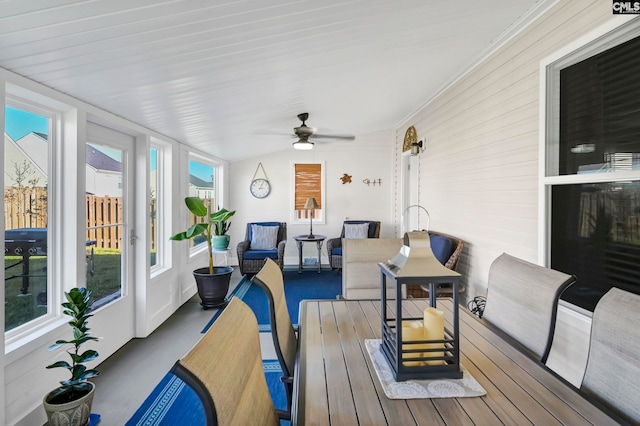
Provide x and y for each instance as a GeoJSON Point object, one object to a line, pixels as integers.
{"type": "Point", "coordinates": [163, 206]}
{"type": "Point", "coordinates": [19, 98]}
{"type": "Point", "coordinates": [320, 216]}
{"type": "Point", "coordinates": [197, 249]}
{"type": "Point", "coordinates": [597, 41]}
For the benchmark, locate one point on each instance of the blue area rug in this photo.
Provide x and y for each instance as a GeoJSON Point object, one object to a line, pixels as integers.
{"type": "Point", "coordinates": [173, 402]}
{"type": "Point", "coordinates": [309, 285]}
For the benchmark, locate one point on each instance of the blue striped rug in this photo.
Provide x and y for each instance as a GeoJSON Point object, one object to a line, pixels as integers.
{"type": "Point", "coordinates": [172, 402]}
{"type": "Point", "coordinates": [297, 287]}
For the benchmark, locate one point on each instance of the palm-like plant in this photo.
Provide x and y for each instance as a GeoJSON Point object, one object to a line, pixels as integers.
{"type": "Point", "coordinates": [216, 223]}
{"type": "Point", "coordinates": [78, 307]}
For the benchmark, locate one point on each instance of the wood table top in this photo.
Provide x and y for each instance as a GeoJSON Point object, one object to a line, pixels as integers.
{"type": "Point", "coordinates": [336, 384]}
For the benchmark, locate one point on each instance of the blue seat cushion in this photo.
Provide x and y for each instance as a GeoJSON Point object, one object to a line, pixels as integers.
{"type": "Point", "coordinates": [336, 251]}
{"type": "Point", "coordinates": [260, 254]}
{"type": "Point", "coordinates": [442, 247]}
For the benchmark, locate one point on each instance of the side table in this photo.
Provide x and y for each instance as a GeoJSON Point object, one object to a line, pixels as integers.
{"type": "Point", "coordinates": [222, 253]}
{"type": "Point", "coordinates": [301, 239]}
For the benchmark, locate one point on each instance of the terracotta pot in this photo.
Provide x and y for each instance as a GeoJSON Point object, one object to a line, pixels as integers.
{"type": "Point", "coordinates": [74, 413]}
{"type": "Point", "coordinates": [213, 289]}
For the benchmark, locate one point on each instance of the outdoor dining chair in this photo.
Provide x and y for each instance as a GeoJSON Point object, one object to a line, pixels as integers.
{"type": "Point", "coordinates": [612, 375]}
{"type": "Point", "coordinates": [270, 279]}
{"type": "Point", "coordinates": [522, 301]}
{"type": "Point", "coordinates": [225, 370]}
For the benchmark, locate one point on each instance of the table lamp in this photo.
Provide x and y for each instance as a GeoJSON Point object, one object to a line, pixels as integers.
{"type": "Point", "coordinates": [312, 205]}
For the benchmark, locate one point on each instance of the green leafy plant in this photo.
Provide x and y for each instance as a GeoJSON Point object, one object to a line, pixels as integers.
{"type": "Point", "coordinates": [216, 223]}
{"type": "Point", "coordinates": [78, 307]}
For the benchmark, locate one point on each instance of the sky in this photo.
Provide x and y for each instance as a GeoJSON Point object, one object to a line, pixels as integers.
{"type": "Point", "coordinates": [19, 123]}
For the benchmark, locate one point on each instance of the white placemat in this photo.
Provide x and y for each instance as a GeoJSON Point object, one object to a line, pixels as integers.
{"type": "Point", "coordinates": [467, 386]}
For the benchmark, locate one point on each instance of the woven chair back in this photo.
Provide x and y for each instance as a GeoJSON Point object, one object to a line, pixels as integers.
{"type": "Point", "coordinates": [612, 375]}
{"type": "Point", "coordinates": [227, 363]}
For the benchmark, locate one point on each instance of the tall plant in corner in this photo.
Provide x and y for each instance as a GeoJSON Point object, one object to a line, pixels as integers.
{"type": "Point", "coordinates": [216, 223]}
{"type": "Point", "coordinates": [60, 403]}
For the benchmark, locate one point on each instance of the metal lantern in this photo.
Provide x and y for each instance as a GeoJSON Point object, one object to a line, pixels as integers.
{"type": "Point", "coordinates": [411, 352]}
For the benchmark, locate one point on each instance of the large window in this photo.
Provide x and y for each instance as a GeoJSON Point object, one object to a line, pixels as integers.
{"type": "Point", "coordinates": [593, 167]}
{"type": "Point", "coordinates": [153, 205]}
{"type": "Point", "coordinates": [26, 214]}
{"type": "Point", "coordinates": [202, 185]}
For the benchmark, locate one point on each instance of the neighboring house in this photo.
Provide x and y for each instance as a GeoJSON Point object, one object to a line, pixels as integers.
{"type": "Point", "coordinates": [200, 188]}
{"type": "Point", "coordinates": [28, 155]}
{"type": "Point", "coordinates": [25, 160]}
{"type": "Point", "coordinates": [104, 174]}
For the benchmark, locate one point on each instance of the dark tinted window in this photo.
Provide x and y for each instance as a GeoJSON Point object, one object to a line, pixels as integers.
{"type": "Point", "coordinates": [596, 236]}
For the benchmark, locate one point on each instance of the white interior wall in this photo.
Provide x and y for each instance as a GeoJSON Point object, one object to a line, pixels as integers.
{"type": "Point", "coordinates": [479, 172]}
{"type": "Point", "coordinates": [367, 157]}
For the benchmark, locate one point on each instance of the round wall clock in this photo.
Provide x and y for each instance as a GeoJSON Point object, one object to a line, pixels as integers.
{"type": "Point", "coordinates": [410, 137]}
{"type": "Point", "coordinates": [260, 188]}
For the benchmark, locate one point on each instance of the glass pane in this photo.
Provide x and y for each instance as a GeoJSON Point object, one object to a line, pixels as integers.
{"type": "Point", "coordinates": [600, 112]}
{"type": "Point", "coordinates": [595, 236]}
{"type": "Point", "coordinates": [26, 161]}
{"type": "Point", "coordinates": [201, 184]}
{"type": "Point", "coordinates": [153, 205]}
{"type": "Point", "coordinates": [104, 213]}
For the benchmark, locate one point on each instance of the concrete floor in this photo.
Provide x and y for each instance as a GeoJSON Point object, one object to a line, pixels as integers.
{"type": "Point", "coordinates": [128, 376]}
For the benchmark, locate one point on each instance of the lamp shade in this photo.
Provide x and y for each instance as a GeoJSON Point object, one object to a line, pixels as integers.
{"type": "Point", "coordinates": [311, 204]}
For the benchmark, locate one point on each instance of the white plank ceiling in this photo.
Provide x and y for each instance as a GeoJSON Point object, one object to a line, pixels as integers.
{"type": "Point", "coordinates": [227, 76]}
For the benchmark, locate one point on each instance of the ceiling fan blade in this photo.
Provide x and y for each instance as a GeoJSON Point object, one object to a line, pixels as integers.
{"type": "Point", "coordinates": [327, 136]}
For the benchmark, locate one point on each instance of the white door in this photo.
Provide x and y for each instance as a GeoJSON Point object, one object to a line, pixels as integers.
{"type": "Point", "coordinates": [410, 212]}
{"type": "Point", "coordinates": [109, 230]}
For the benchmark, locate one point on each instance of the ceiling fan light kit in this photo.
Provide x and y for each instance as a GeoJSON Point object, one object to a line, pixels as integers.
{"type": "Point", "coordinates": [304, 132]}
{"type": "Point", "coordinates": [303, 144]}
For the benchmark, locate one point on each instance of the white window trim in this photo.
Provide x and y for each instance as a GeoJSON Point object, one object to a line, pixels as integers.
{"type": "Point", "coordinates": [219, 170]}
{"type": "Point", "coordinates": [163, 197]}
{"type": "Point", "coordinates": [34, 330]}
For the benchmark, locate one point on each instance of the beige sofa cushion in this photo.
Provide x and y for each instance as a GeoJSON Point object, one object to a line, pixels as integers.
{"type": "Point", "coordinates": [360, 270]}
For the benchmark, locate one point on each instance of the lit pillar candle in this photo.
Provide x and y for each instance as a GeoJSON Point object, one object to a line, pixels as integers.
{"type": "Point", "coordinates": [434, 330]}
{"type": "Point", "coordinates": [412, 330]}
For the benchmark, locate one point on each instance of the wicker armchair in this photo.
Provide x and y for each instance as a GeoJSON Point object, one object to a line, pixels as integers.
{"type": "Point", "coordinates": [251, 260]}
{"type": "Point", "coordinates": [422, 291]}
{"type": "Point", "coordinates": [334, 245]}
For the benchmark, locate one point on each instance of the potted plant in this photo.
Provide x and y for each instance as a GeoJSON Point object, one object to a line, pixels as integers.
{"type": "Point", "coordinates": [70, 403]}
{"type": "Point", "coordinates": [212, 282]}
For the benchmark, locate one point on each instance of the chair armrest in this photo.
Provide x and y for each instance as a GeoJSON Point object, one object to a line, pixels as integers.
{"type": "Point", "coordinates": [281, 245]}
{"type": "Point", "coordinates": [333, 243]}
{"type": "Point", "coordinates": [241, 248]}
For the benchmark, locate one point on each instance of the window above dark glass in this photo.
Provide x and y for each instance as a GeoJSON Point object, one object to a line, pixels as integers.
{"type": "Point", "coordinates": [600, 112]}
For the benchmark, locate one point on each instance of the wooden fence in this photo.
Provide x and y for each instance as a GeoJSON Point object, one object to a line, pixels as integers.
{"type": "Point", "coordinates": [26, 207]}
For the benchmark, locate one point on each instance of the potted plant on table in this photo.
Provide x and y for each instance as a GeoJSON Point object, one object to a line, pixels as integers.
{"type": "Point", "coordinates": [212, 282]}
{"type": "Point", "coordinates": [70, 403]}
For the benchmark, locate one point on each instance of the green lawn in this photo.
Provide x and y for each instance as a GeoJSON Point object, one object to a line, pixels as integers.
{"type": "Point", "coordinates": [19, 308]}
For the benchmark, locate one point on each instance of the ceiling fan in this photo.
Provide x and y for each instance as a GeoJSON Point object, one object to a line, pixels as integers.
{"type": "Point", "coordinates": [304, 132]}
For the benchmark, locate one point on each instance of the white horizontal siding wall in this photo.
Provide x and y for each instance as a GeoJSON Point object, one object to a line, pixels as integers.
{"type": "Point", "coordinates": [479, 174]}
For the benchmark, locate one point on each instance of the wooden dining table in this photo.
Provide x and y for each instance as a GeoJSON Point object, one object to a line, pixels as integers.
{"type": "Point", "coordinates": [336, 384]}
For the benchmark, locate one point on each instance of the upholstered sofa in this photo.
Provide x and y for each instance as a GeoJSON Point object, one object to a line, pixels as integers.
{"type": "Point", "coordinates": [360, 270]}
{"type": "Point", "coordinates": [360, 258]}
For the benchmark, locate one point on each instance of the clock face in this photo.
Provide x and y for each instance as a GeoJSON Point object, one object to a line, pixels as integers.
{"type": "Point", "coordinates": [260, 188]}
